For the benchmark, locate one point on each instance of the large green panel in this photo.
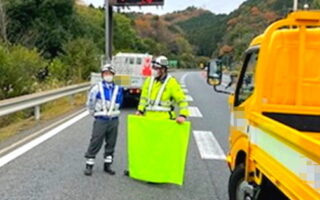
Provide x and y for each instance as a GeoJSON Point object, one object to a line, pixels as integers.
{"type": "Point", "coordinates": [157, 149]}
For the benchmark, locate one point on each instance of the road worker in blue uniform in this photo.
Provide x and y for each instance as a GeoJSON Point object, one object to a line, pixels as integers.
{"type": "Point", "coordinates": [104, 101]}
{"type": "Point", "coordinates": [160, 93]}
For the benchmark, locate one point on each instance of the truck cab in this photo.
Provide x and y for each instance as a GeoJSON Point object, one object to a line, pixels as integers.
{"type": "Point", "coordinates": [274, 142]}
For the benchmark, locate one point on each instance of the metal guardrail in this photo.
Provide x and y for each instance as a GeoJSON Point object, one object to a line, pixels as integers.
{"type": "Point", "coordinates": [9, 106]}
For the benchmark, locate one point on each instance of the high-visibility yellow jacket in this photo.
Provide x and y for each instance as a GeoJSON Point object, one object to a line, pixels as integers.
{"type": "Point", "coordinates": [152, 103]}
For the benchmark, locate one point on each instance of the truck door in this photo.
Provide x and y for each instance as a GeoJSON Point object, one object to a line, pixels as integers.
{"type": "Point", "coordinates": [244, 90]}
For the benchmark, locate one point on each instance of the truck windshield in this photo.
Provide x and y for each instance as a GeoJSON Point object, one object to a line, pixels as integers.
{"type": "Point", "coordinates": [246, 84]}
{"type": "Point", "coordinates": [139, 61]}
{"type": "Point", "coordinates": [131, 61]}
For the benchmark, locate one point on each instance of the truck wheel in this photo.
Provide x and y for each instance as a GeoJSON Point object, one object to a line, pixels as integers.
{"type": "Point", "coordinates": [239, 189]}
{"type": "Point", "coordinates": [237, 185]}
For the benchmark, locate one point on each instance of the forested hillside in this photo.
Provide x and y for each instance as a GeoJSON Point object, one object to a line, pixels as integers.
{"type": "Point", "coordinates": [205, 31]}
{"type": "Point", "coordinates": [215, 35]}
{"type": "Point", "coordinates": [52, 43]}
{"type": "Point", "coordinates": [250, 20]}
{"type": "Point", "coordinates": [47, 44]}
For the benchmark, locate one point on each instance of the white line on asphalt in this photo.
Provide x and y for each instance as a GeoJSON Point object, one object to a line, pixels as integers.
{"type": "Point", "coordinates": [194, 111]}
{"type": "Point", "coordinates": [208, 145]}
{"type": "Point", "coordinates": [183, 78]}
{"type": "Point", "coordinates": [189, 98]}
{"type": "Point", "coordinates": [25, 148]}
{"type": "Point", "coordinates": [34, 135]}
{"type": "Point", "coordinates": [185, 90]}
{"type": "Point", "coordinates": [183, 86]}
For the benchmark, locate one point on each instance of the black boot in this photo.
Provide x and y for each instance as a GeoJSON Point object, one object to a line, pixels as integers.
{"type": "Point", "coordinates": [107, 169]}
{"type": "Point", "coordinates": [88, 170]}
{"type": "Point", "coordinates": [126, 173]}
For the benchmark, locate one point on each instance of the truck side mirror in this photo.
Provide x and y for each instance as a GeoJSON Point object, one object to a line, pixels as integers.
{"type": "Point", "coordinates": [214, 73]}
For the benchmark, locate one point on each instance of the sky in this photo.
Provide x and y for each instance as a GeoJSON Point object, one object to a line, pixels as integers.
{"type": "Point", "coordinates": [216, 6]}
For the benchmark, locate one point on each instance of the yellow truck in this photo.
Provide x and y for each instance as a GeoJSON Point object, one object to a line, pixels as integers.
{"type": "Point", "coordinates": [275, 113]}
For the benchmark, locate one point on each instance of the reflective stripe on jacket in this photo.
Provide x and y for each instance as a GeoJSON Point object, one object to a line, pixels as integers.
{"type": "Point", "coordinates": [172, 95]}
{"type": "Point", "coordinates": [104, 100]}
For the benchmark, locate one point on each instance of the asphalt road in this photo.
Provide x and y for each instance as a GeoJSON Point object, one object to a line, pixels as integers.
{"type": "Point", "coordinates": [54, 169]}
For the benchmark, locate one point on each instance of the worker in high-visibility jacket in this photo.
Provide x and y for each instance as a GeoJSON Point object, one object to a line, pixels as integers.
{"type": "Point", "coordinates": [104, 101]}
{"type": "Point", "coordinates": [161, 92]}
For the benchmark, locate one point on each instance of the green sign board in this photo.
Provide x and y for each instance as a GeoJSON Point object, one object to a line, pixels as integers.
{"type": "Point", "coordinates": [173, 63]}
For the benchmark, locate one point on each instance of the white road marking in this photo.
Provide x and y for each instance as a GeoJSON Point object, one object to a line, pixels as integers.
{"type": "Point", "coordinates": [185, 90]}
{"type": "Point", "coordinates": [34, 135]}
{"type": "Point", "coordinates": [183, 86]}
{"type": "Point", "coordinates": [189, 98]}
{"type": "Point", "coordinates": [208, 145]}
{"type": "Point", "coordinates": [194, 112]}
{"type": "Point", "coordinates": [25, 148]}
{"type": "Point", "coordinates": [183, 78]}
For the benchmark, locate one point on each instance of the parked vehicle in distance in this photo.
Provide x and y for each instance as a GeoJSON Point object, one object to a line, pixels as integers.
{"type": "Point", "coordinates": [131, 71]}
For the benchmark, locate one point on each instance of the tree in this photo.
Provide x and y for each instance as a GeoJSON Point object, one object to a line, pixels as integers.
{"type": "Point", "coordinates": [143, 26]}
{"type": "Point", "coordinates": [19, 68]}
{"type": "Point", "coordinates": [90, 25]}
{"type": "Point", "coordinates": [81, 57]}
{"type": "Point", "coordinates": [43, 24]}
{"type": "Point", "coordinates": [125, 37]}
{"type": "Point", "coordinates": [58, 71]}
{"type": "Point", "coordinates": [187, 60]}
{"type": "Point", "coordinates": [3, 22]}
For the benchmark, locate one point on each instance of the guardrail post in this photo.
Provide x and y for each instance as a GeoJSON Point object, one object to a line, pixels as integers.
{"type": "Point", "coordinates": [72, 99]}
{"type": "Point", "coordinates": [37, 112]}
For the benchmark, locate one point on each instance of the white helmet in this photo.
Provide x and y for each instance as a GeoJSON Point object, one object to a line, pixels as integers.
{"type": "Point", "coordinates": [160, 61]}
{"type": "Point", "coordinates": [108, 67]}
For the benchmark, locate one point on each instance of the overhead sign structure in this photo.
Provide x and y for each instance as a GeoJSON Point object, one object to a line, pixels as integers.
{"type": "Point", "coordinates": [108, 15]}
{"type": "Point", "coordinates": [136, 2]}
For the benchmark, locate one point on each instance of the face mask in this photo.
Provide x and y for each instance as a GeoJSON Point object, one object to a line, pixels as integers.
{"type": "Point", "coordinates": [108, 78]}
{"type": "Point", "coordinates": [156, 73]}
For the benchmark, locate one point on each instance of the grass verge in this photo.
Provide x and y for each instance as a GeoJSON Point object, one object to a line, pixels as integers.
{"type": "Point", "coordinates": [15, 123]}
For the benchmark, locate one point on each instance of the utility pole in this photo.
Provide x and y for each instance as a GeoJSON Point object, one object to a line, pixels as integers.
{"type": "Point", "coordinates": [295, 5]}
{"type": "Point", "coordinates": [3, 23]}
{"type": "Point", "coordinates": [108, 30]}
{"type": "Point", "coordinates": [109, 19]}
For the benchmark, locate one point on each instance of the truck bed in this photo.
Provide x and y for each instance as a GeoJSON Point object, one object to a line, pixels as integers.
{"type": "Point", "coordinates": [304, 123]}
